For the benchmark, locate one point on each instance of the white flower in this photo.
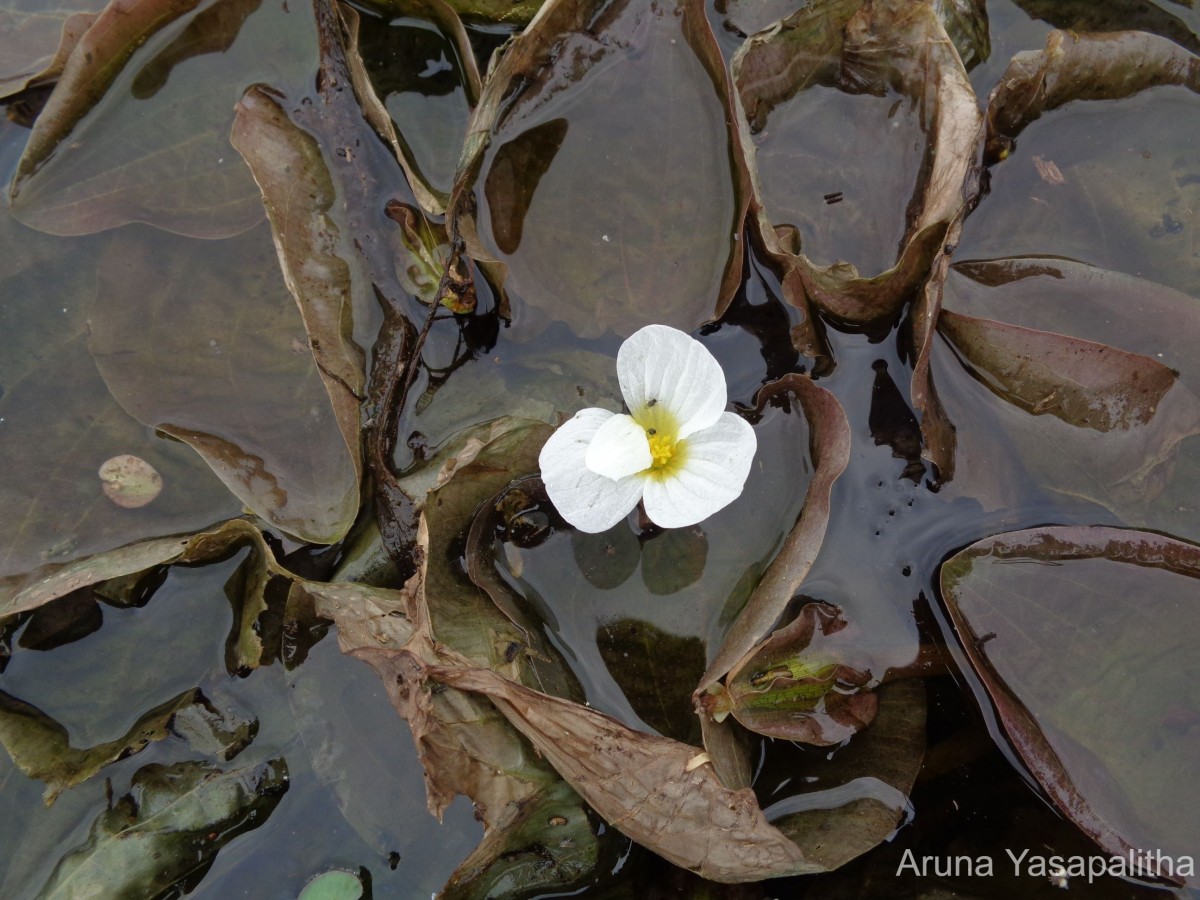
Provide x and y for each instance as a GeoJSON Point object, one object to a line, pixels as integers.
{"type": "Point", "coordinates": [677, 450]}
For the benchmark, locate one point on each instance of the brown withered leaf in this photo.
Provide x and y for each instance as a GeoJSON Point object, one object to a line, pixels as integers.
{"type": "Point", "coordinates": [661, 793]}
{"type": "Point", "coordinates": [797, 685]}
{"type": "Point", "coordinates": [863, 52]}
{"type": "Point", "coordinates": [1081, 67]}
{"type": "Point", "coordinates": [317, 274]}
{"type": "Point", "coordinates": [829, 446]}
{"type": "Point", "coordinates": [441, 617]}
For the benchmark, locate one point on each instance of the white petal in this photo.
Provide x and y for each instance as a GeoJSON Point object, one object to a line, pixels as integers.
{"type": "Point", "coordinates": [618, 448]}
{"type": "Point", "coordinates": [590, 502]}
{"type": "Point", "coordinates": [664, 365]}
{"type": "Point", "coordinates": [712, 475]}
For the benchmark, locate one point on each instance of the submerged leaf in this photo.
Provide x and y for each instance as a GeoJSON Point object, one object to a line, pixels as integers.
{"type": "Point", "coordinates": [167, 829]}
{"type": "Point", "coordinates": [1085, 384]}
{"type": "Point", "coordinates": [95, 62]}
{"type": "Point", "coordinates": [41, 749]}
{"type": "Point", "coordinates": [1084, 639]}
{"type": "Point", "coordinates": [55, 508]}
{"type": "Point", "coordinates": [36, 42]}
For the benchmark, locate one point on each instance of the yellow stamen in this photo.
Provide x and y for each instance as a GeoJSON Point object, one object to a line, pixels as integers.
{"type": "Point", "coordinates": [662, 448]}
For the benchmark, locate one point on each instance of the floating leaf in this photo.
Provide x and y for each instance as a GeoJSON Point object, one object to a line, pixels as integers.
{"type": "Point", "coordinates": [226, 366]}
{"type": "Point", "coordinates": [41, 749]}
{"type": "Point", "coordinates": [335, 885]}
{"type": "Point", "coordinates": [1116, 421]}
{"type": "Point", "coordinates": [1155, 17]}
{"type": "Point", "coordinates": [54, 502]}
{"type": "Point", "coordinates": [149, 61]}
{"type": "Point", "coordinates": [545, 186]}
{"type": "Point", "coordinates": [870, 63]}
{"type": "Point", "coordinates": [1081, 67]}
{"type": "Point", "coordinates": [162, 832]}
{"type": "Point", "coordinates": [797, 685]}
{"type": "Point", "coordinates": [1084, 639]}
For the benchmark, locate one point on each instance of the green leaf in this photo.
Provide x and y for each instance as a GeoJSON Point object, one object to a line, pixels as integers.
{"type": "Point", "coordinates": [335, 885]}
{"type": "Point", "coordinates": [167, 830]}
{"type": "Point", "coordinates": [1084, 639]}
{"type": "Point", "coordinates": [801, 683]}
{"type": "Point", "coordinates": [40, 746]}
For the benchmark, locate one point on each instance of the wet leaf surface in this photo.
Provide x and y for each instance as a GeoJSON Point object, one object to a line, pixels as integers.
{"type": "Point", "coordinates": [77, 174]}
{"type": "Point", "coordinates": [159, 833]}
{"type": "Point", "coordinates": [797, 685]}
{"type": "Point", "coordinates": [236, 382]}
{"type": "Point", "coordinates": [841, 208]}
{"type": "Point", "coordinates": [829, 446]}
{"type": "Point", "coordinates": [1083, 638]}
{"type": "Point", "coordinates": [567, 183]}
{"type": "Point", "coordinates": [1085, 384]}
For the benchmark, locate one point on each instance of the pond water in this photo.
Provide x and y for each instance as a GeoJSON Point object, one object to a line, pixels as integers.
{"type": "Point", "coordinates": [141, 307]}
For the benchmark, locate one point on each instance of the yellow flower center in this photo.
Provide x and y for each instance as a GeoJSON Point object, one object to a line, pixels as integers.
{"type": "Point", "coordinates": [662, 448]}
